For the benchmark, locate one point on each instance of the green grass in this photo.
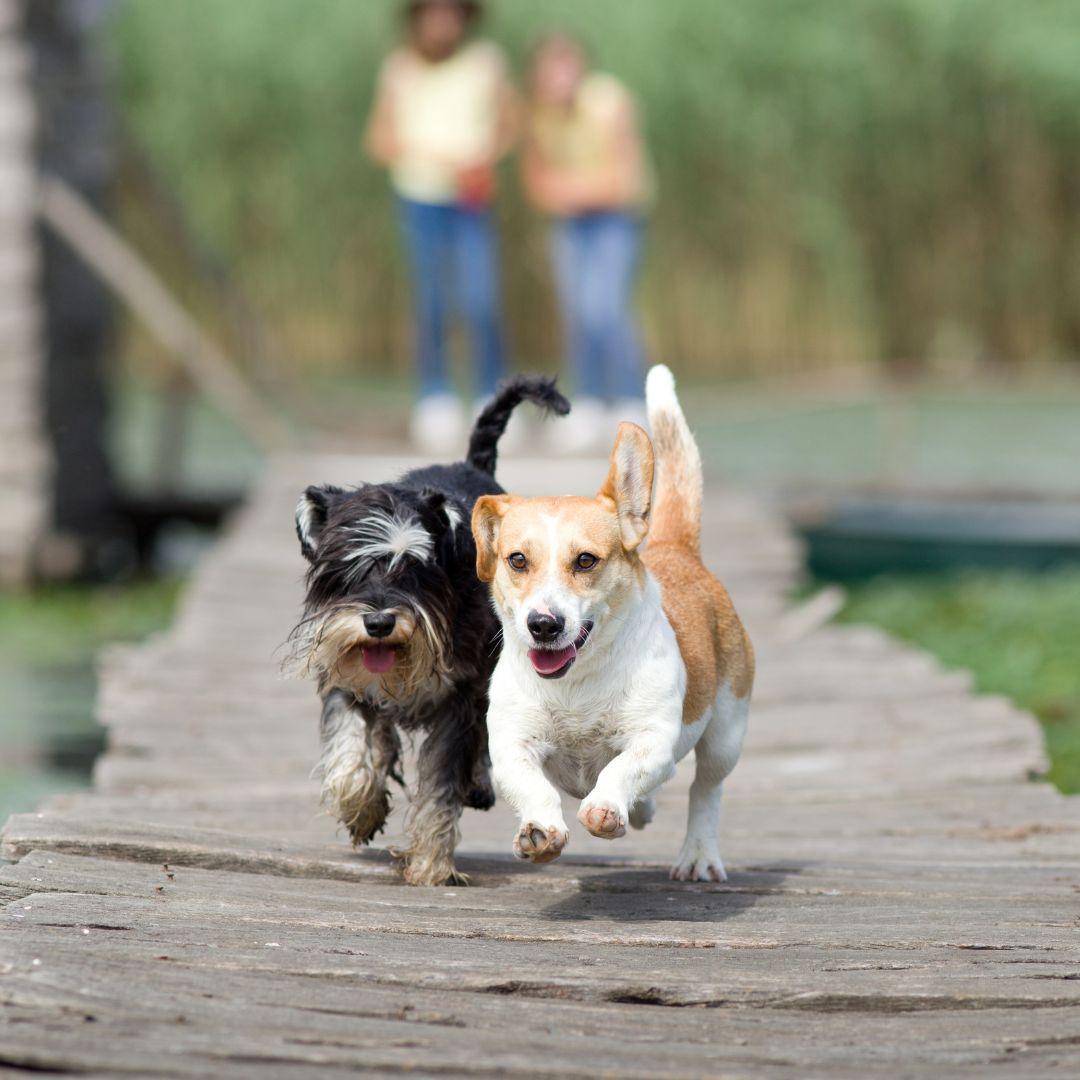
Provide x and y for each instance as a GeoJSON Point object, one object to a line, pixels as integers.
{"type": "Point", "coordinates": [62, 624]}
{"type": "Point", "coordinates": [1019, 634]}
{"type": "Point", "coordinates": [49, 639]}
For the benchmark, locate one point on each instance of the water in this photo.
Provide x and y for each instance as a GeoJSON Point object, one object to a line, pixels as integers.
{"type": "Point", "coordinates": [50, 638]}
{"type": "Point", "coordinates": [48, 735]}
{"type": "Point", "coordinates": [49, 643]}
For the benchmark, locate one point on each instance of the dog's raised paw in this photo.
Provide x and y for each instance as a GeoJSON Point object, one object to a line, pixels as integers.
{"type": "Point", "coordinates": [539, 844]}
{"type": "Point", "coordinates": [602, 819]}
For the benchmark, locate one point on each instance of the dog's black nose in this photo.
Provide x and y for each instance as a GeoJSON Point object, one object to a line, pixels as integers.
{"type": "Point", "coordinates": [545, 627]}
{"type": "Point", "coordinates": [380, 624]}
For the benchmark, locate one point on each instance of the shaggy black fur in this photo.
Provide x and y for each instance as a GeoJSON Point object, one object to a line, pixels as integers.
{"type": "Point", "coordinates": [445, 595]}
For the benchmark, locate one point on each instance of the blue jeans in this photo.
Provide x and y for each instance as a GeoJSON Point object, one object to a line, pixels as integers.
{"type": "Point", "coordinates": [454, 261]}
{"type": "Point", "coordinates": [596, 259]}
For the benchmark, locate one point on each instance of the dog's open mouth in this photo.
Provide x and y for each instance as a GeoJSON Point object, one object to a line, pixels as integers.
{"type": "Point", "coordinates": [378, 659]}
{"type": "Point", "coordinates": [555, 663]}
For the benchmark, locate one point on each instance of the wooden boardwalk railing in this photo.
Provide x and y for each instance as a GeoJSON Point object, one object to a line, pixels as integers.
{"type": "Point", "coordinates": [903, 901]}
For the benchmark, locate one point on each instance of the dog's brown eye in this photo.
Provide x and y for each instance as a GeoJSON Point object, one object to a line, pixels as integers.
{"type": "Point", "coordinates": [517, 561]}
{"type": "Point", "coordinates": [586, 561]}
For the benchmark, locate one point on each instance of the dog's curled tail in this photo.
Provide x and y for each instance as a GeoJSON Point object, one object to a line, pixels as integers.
{"type": "Point", "coordinates": [676, 509]}
{"type": "Point", "coordinates": [492, 421]}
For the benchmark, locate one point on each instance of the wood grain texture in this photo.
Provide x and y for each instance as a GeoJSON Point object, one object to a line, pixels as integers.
{"type": "Point", "coordinates": [903, 896]}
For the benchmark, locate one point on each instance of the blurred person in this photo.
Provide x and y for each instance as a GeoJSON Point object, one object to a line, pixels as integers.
{"type": "Point", "coordinates": [444, 115]}
{"type": "Point", "coordinates": [586, 166]}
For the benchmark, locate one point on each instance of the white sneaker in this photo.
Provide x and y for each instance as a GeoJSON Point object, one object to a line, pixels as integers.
{"type": "Point", "coordinates": [584, 431]}
{"type": "Point", "coordinates": [437, 426]}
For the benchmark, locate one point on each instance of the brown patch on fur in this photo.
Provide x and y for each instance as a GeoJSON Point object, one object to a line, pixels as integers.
{"type": "Point", "coordinates": [486, 525]}
{"type": "Point", "coordinates": [629, 482]}
{"type": "Point", "coordinates": [677, 507]}
{"type": "Point", "coordinates": [714, 646]}
{"type": "Point", "coordinates": [713, 643]}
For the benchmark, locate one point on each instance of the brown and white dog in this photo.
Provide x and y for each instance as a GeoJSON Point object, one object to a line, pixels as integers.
{"type": "Point", "coordinates": [616, 661]}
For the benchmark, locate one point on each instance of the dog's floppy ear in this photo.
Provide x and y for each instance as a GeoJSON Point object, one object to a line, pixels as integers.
{"type": "Point", "coordinates": [311, 514]}
{"type": "Point", "coordinates": [487, 518]}
{"type": "Point", "coordinates": [438, 515]}
{"type": "Point", "coordinates": [629, 483]}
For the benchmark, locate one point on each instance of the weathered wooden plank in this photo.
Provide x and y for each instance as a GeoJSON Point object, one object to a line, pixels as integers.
{"type": "Point", "coordinates": [801, 832]}
{"type": "Point", "coordinates": [43, 870]}
{"type": "Point", "coordinates": [617, 906]}
{"type": "Point", "coordinates": [350, 1014]}
{"type": "Point", "coordinates": [914, 771]}
{"type": "Point", "coordinates": [1004, 813]}
{"type": "Point", "coordinates": [737, 974]}
{"type": "Point", "coordinates": [329, 1044]}
{"type": "Point", "coordinates": [901, 899]}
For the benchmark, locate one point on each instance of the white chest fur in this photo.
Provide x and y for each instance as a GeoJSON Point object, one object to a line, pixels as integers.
{"type": "Point", "coordinates": [627, 684]}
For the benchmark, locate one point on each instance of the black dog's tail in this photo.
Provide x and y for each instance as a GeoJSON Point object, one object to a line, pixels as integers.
{"type": "Point", "coordinates": [491, 423]}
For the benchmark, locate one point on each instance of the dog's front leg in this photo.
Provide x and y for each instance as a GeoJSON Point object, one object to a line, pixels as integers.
{"type": "Point", "coordinates": [447, 767]}
{"type": "Point", "coordinates": [517, 769]}
{"type": "Point", "coordinates": [359, 754]}
{"type": "Point", "coordinates": [642, 766]}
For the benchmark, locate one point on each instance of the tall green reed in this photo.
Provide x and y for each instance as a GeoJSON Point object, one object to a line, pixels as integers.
{"type": "Point", "coordinates": [842, 181]}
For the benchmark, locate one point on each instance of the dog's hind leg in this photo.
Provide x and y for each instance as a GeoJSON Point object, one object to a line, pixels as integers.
{"type": "Point", "coordinates": [716, 754]}
{"type": "Point", "coordinates": [359, 755]}
{"type": "Point", "coordinates": [447, 768]}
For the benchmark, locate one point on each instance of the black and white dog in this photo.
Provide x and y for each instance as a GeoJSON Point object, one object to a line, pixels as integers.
{"type": "Point", "coordinates": [401, 636]}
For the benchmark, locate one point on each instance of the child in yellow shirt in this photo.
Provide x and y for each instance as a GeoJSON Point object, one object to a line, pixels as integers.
{"type": "Point", "coordinates": [443, 117]}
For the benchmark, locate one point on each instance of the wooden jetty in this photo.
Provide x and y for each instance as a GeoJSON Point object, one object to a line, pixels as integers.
{"type": "Point", "coordinates": [904, 896]}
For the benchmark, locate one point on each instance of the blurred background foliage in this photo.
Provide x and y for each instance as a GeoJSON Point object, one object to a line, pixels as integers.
{"type": "Point", "coordinates": [843, 182]}
{"type": "Point", "coordinates": [848, 188]}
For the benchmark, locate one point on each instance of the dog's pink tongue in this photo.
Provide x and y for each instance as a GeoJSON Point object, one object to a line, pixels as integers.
{"type": "Point", "coordinates": [548, 661]}
{"type": "Point", "coordinates": [379, 659]}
